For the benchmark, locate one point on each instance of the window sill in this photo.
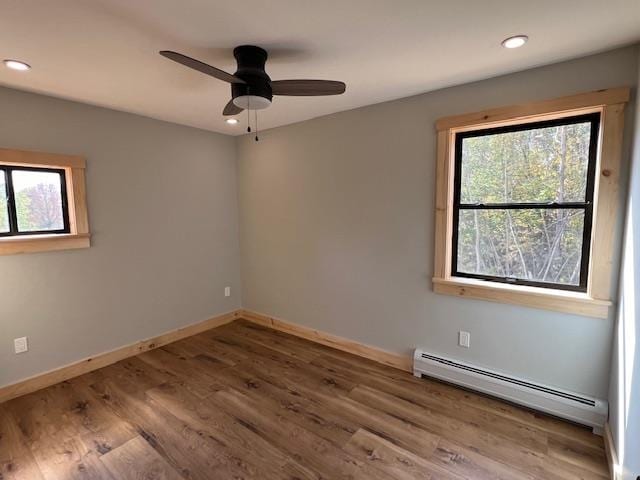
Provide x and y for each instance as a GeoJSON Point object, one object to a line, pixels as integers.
{"type": "Point", "coordinates": [43, 243]}
{"type": "Point", "coordinates": [556, 300]}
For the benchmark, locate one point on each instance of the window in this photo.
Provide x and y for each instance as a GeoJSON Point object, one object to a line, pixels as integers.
{"type": "Point", "coordinates": [42, 202]}
{"type": "Point", "coordinates": [526, 203]}
{"type": "Point", "coordinates": [523, 203]}
{"type": "Point", "coordinates": [35, 201]}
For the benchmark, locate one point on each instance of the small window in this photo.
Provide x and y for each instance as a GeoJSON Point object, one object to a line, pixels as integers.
{"type": "Point", "coordinates": [35, 201]}
{"type": "Point", "coordinates": [523, 202]}
{"type": "Point", "coordinates": [43, 202]}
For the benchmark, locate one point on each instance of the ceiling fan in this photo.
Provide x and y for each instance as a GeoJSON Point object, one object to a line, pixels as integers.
{"type": "Point", "coordinates": [251, 87]}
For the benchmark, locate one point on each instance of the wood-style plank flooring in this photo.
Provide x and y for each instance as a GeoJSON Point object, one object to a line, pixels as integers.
{"type": "Point", "coordinates": [246, 402]}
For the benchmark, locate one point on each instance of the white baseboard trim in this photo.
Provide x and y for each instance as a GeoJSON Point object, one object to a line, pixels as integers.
{"type": "Point", "coordinates": [401, 362]}
{"type": "Point", "coordinates": [612, 456]}
{"type": "Point", "coordinates": [95, 362]}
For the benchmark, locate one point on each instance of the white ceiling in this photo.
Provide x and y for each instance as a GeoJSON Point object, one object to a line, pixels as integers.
{"type": "Point", "coordinates": [104, 52]}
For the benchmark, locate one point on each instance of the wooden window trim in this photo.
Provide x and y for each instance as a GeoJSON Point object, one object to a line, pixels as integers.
{"type": "Point", "coordinates": [74, 167]}
{"type": "Point", "coordinates": [597, 300]}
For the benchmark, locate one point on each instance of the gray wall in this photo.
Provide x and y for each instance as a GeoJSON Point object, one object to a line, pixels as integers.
{"type": "Point", "coordinates": [336, 222]}
{"type": "Point", "coordinates": [336, 228]}
{"type": "Point", "coordinates": [163, 214]}
{"type": "Point", "coordinates": [624, 393]}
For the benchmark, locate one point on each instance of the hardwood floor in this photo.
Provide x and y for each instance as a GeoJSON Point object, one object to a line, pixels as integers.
{"type": "Point", "coordinates": [246, 402]}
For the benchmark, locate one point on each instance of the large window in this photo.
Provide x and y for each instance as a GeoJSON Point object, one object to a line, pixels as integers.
{"type": "Point", "coordinates": [523, 202]}
{"type": "Point", "coordinates": [34, 201]}
{"type": "Point", "coordinates": [527, 203]}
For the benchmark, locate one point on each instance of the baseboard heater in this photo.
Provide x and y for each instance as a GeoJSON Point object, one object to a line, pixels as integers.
{"type": "Point", "coordinates": [561, 403]}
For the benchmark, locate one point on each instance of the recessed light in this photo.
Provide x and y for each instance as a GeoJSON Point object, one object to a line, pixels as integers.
{"type": "Point", "coordinates": [232, 121]}
{"type": "Point", "coordinates": [515, 41]}
{"type": "Point", "coordinates": [17, 65]}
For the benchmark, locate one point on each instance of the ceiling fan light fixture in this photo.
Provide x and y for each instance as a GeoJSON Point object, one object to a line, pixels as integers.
{"type": "Point", "coordinates": [515, 42]}
{"type": "Point", "coordinates": [17, 65]}
{"type": "Point", "coordinates": [232, 121]}
{"type": "Point", "coordinates": [251, 102]}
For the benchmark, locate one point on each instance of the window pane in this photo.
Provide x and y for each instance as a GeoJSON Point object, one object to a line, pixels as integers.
{"type": "Point", "coordinates": [540, 165]}
{"type": "Point", "coordinates": [542, 245]}
{"type": "Point", "coordinates": [4, 212]}
{"type": "Point", "coordinates": [38, 200]}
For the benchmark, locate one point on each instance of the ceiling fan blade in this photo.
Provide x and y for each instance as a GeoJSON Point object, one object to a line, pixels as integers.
{"type": "Point", "coordinates": [307, 87]}
{"type": "Point", "coordinates": [201, 67]}
{"type": "Point", "coordinates": [231, 109]}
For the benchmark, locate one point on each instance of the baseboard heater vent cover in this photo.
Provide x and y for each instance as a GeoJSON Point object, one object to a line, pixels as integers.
{"type": "Point", "coordinates": [561, 403]}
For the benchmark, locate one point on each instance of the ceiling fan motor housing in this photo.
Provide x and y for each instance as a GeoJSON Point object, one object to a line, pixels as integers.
{"type": "Point", "coordinates": [256, 94]}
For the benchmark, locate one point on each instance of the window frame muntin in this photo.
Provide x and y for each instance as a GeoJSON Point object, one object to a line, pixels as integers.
{"type": "Point", "coordinates": [595, 119]}
{"type": "Point", "coordinates": [14, 231]}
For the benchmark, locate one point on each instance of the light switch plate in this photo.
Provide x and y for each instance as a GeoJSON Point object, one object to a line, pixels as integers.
{"type": "Point", "coordinates": [464, 339]}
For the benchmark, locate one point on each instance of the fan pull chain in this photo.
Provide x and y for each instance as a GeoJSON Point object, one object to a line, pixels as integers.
{"type": "Point", "coordinates": [248, 114]}
{"type": "Point", "coordinates": [256, 117]}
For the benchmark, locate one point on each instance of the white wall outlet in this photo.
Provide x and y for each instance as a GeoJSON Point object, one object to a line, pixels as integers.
{"type": "Point", "coordinates": [20, 345]}
{"type": "Point", "coordinates": [227, 291]}
{"type": "Point", "coordinates": [464, 339]}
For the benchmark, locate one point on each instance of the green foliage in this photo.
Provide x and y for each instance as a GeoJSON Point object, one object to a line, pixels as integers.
{"type": "Point", "coordinates": [542, 166]}
{"type": "Point", "coordinates": [38, 208]}
{"type": "Point", "coordinates": [23, 210]}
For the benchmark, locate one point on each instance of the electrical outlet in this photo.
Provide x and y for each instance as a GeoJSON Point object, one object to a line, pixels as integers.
{"type": "Point", "coordinates": [20, 345]}
{"type": "Point", "coordinates": [227, 291]}
{"type": "Point", "coordinates": [464, 339]}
